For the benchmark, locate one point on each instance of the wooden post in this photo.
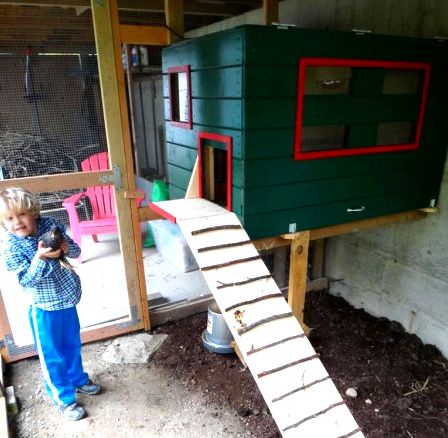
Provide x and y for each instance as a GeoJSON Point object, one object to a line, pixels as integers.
{"type": "Point", "coordinates": [174, 16]}
{"type": "Point", "coordinates": [297, 274]}
{"type": "Point", "coordinates": [317, 264]}
{"type": "Point", "coordinates": [113, 93]}
{"type": "Point", "coordinates": [270, 11]}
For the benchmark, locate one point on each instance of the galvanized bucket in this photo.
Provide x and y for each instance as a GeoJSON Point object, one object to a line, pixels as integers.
{"type": "Point", "coordinates": [217, 336]}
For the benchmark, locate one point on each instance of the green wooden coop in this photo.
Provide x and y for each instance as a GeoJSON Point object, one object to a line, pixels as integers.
{"type": "Point", "coordinates": [296, 129]}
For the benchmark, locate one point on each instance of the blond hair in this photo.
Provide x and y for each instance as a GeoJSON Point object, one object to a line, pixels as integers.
{"type": "Point", "coordinates": [18, 200]}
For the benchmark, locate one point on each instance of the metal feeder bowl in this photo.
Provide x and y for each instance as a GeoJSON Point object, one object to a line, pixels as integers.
{"type": "Point", "coordinates": [217, 337]}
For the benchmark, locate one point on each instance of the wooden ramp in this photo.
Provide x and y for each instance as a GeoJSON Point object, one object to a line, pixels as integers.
{"type": "Point", "coordinates": [295, 385]}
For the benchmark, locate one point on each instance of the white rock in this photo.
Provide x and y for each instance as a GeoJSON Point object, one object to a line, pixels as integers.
{"type": "Point", "coordinates": [351, 392]}
{"type": "Point", "coordinates": [137, 348]}
{"type": "Point", "coordinates": [368, 401]}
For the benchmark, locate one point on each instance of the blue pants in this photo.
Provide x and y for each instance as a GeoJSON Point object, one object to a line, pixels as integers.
{"type": "Point", "coordinates": [58, 343]}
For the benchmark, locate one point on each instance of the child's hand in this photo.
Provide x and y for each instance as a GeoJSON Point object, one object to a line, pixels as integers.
{"type": "Point", "coordinates": [64, 247]}
{"type": "Point", "coordinates": [43, 253]}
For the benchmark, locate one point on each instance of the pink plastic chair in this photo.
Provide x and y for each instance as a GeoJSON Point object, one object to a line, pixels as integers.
{"type": "Point", "coordinates": [102, 201]}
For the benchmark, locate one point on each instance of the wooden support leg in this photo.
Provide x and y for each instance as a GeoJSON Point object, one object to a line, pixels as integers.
{"type": "Point", "coordinates": [297, 275]}
{"type": "Point", "coordinates": [317, 264]}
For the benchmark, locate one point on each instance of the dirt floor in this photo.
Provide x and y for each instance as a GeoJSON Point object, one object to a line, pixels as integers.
{"type": "Point", "coordinates": [184, 391]}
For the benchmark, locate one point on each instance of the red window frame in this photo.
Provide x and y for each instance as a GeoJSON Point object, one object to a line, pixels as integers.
{"type": "Point", "coordinates": [176, 70]}
{"type": "Point", "coordinates": [340, 62]}
{"type": "Point", "coordinates": [227, 140]}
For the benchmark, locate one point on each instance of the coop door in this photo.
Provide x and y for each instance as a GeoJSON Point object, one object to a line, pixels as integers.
{"type": "Point", "coordinates": [215, 168]}
{"type": "Point", "coordinates": [51, 123]}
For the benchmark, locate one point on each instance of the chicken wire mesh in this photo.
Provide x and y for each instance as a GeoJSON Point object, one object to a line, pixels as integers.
{"type": "Point", "coordinates": [51, 114]}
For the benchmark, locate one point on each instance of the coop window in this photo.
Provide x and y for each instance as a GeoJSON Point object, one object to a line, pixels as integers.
{"type": "Point", "coordinates": [350, 107]}
{"type": "Point", "coordinates": [215, 168]}
{"type": "Point", "coordinates": [180, 96]}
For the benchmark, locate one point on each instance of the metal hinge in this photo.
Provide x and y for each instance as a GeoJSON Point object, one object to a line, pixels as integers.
{"type": "Point", "coordinates": [115, 178]}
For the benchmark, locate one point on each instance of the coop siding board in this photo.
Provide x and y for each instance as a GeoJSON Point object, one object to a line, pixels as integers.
{"type": "Point", "coordinates": [210, 52]}
{"type": "Point", "coordinates": [176, 192]}
{"type": "Point", "coordinates": [328, 44]}
{"type": "Point", "coordinates": [188, 138]}
{"type": "Point", "coordinates": [219, 113]}
{"type": "Point", "coordinates": [316, 216]}
{"type": "Point", "coordinates": [181, 156]}
{"type": "Point", "coordinates": [288, 196]}
{"type": "Point", "coordinates": [295, 361]}
{"type": "Point", "coordinates": [217, 83]}
{"type": "Point", "coordinates": [184, 158]}
{"type": "Point", "coordinates": [264, 143]}
{"type": "Point", "coordinates": [285, 170]}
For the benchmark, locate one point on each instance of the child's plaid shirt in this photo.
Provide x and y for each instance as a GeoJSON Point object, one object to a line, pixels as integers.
{"type": "Point", "coordinates": [51, 285]}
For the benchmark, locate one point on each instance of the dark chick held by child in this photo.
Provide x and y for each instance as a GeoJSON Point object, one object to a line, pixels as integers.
{"type": "Point", "coordinates": [54, 238]}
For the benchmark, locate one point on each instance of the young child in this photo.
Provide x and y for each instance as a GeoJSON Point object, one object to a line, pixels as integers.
{"type": "Point", "coordinates": [54, 291]}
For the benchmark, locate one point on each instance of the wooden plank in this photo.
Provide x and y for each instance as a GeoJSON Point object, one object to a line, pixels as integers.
{"type": "Point", "coordinates": [336, 230]}
{"type": "Point", "coordinates": [270, 339]}
{"type": "Point", "coordinates": [326, 215]}
{"type": "Point", "coordinates": [145, 35]}
{"type": "Point", "coordinates": [107, 37]}
{"type": "Point", "coordinates": [269, 243]}
{"type": "Point", "coordinates": [298, 274]}
{"type": "Point", "coordinates": [270, 12]}
{"type": "Point", "coordinates": [317, 263]}
{"type": "Point", "coordinates": [174, 16]}
{"type": "Point", "coordinates": [193, 185]}
{"type": "Point", "coordinates": [63, 181]}
{"type": "Point", "coordinates": [147, 214]}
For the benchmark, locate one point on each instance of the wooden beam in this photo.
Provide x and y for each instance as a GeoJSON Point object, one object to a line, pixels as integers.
{"type": "Point", "coordinates": [297, 275]}
{"type": "Point", "coordinates": [191, 7]}
{"type": "Point", "coordinates": [147, 214]}
{"type": "Point", "coordinates": [63, 181]}
{"type": "Point", "coordinates": [145, 35]}
{"type": "Point", "coordinates": [174, 16]}
{"type": "Point", "coordinates": [113, 93]}
{"type": "Point", "coordinates": [352, 227]}
{"type": "Point", "coordinates": [317, 257]}
{"type": "Point", "coordinates": [268, 243]}
{"type": "Point", "coordinates": [270, 11]}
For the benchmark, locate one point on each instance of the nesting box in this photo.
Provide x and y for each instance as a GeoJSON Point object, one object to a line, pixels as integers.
{"type": "Point", "coordinates": [296, 129]}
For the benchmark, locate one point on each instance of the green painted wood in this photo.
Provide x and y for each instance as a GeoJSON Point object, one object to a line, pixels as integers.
{"type": "Point", "coordinates": [225, 82]}
{"type": "Point", "coordinates": [362, 135]}
{"type": "Point", "coordinates": [283, 197]}
{"type": "Point", "coordinates": [176, 192]}
{"type": "Point", "coordinates": [188, 137]}
{"type": "Point", "coordinates": [335, 110]}
{"type": "Point", "coordinates": [214, 50]}
{"type": "Point", "coordinates": [218, 113]}
{"type": "Point", "coordinates": [271, 80]}
{"type": "Point", "coordinates": [261, 173]}
{"type": "Point", "coordinates": [181, 156]}
{"type": "Point", "coordinates": [244, 83]}
{"type": "Point", "coordinates": [367, 81]}
{"type": "Point", "coordinates": [268, 143]}
{"type": "Point", "coordinates": [262, 46]}
{"type": "Point", "coordinates": [178, 176]}
{"type": "Point", "coordinates": [315, 216]}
